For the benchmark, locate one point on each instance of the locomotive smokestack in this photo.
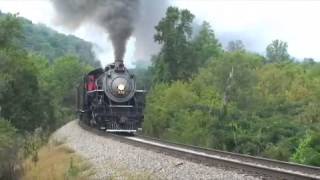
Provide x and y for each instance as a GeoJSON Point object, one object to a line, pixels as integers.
{"type": "Point", "coordinates": [119, 65]}
{"type": "Point", "coordinates": [117, 17]}
{"type": "Point", "coordinates": [118, 61]}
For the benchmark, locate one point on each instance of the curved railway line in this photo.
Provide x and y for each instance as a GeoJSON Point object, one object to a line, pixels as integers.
{"type": "Point", "coordinates": [261, 167]}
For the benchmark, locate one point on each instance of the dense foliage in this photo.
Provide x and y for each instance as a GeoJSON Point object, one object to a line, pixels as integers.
{"type": "Point", "coordinates": [232, 100]}
{"type": "Point", "coordinates": [35, 93]}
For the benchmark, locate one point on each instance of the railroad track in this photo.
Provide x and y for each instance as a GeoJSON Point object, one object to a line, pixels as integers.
{"type": "Point", "coordinates": [262, 167]}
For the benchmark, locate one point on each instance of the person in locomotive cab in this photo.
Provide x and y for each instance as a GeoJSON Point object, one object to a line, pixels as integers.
{"type": "Point", "coordinates": [91, 87]}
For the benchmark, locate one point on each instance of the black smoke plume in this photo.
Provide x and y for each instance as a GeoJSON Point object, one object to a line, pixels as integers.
{"type": "Point", "coordinates": [117, 17]}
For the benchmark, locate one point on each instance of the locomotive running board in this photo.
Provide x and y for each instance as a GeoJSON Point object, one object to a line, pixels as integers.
{"type": "Point", "coordinates": [121, 130]}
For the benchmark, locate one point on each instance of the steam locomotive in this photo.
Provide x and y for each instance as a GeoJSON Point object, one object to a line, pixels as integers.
{"type": "Point", "coordinates": [107, 99]}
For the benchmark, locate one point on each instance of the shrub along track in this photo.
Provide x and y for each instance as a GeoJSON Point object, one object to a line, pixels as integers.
{"type": "Point", "coordinates": [262, 167]}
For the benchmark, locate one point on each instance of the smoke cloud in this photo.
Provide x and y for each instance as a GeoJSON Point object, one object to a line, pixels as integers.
{"type": "Point", "coordinates": [151, 12]}
{"type": "Point", "coordinates": [117, 17]}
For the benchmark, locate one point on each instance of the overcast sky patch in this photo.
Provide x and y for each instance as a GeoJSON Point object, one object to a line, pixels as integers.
{"type": "Point", "coordinates": [256, 23]}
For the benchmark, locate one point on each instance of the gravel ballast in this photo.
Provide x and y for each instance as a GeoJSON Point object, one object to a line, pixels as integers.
{"type": "Point", "coordinates": [111, 159]}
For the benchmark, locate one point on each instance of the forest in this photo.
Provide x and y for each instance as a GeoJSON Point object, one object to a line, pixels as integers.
{"type": "Point", "coordinates": [231, 99]}
{"type": "Point", "coordinates": [37, 87]}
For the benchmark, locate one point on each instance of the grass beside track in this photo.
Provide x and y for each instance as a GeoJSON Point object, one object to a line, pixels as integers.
{"type": "Point", "coordinates": [56, 162]}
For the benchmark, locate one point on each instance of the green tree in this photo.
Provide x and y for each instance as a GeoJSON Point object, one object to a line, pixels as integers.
{"type": "Point", "coordinates": [277, 51]}
{"type": "Point", "coordinates": [174, 32]}
{"type": "Point", "coordinates": [63, 77]}
{"type": "Point", "coordinates": [65, 74]}
{"type": "Point", "coordinates": [284, 89]}
{"type": "Point", "coordinates": [165, 102]}
{"type": "Point", "coordinates": [205, 45]}
{"type": "Point", "coordinates": [234, 77]}
{"type": "Point", "coordinates": [235, 46]}
{"type": "Point", "coordinates": [10, 31]}
{"type": "Point", "coordinates": [20, 94]}
{"type": "Point", "coordinates": [21, 99]}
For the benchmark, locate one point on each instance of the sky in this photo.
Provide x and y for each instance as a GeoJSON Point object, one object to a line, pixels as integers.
{"type": "Point", "coordinates": [255, 22]}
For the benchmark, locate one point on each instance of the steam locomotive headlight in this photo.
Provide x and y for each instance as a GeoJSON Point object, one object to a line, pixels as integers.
{"type": "Point", "coordinates": [121, 87]}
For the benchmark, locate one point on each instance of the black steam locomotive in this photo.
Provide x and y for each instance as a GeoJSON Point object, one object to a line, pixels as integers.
{"type": "Point", "coordinates": [108, 99]}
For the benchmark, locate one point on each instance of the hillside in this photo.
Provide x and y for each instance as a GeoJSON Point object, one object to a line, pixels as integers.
{"type": "Point", "coordinates": [47, 42]}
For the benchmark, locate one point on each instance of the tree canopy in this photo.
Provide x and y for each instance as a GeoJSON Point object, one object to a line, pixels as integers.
{"type": "Point", "coordinates": [235, 46]}
{"type": "Point", "coordinates": [182, 53]}
{"type": "Point", "coordinates": [35, 92]}
{"type": "Point", "coordinates": [232, 100]}
{"type": "Point", "coordinates": [277, 51]}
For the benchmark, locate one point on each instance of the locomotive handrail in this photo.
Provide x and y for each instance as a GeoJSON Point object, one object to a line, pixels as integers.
{"type": "Point", "coordinates": [97, 90]}
{"type": "Point", "coordinates": [121, 106]}
{"type": "Point", "coordinates": [141, 91]}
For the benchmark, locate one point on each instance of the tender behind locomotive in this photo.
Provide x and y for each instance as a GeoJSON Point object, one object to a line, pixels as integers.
{"type": "Point", "coordinates": [108, 99]}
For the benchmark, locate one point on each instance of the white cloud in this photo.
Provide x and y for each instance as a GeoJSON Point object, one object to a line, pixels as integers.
{"type": "Point", "coordinates": [39, 11]}
{"type": "Point", "coordinates": [263, 21]}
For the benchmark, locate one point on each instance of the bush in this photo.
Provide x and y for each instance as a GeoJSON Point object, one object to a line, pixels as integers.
{"type": "Point", "coordinates": [308, 151]}
{"type": "Point", "coordinates": [33, 142]}
{"type": "Point", "coordinates": [164, 105]}
{"type": "Point", "coordinates": [9, 151]}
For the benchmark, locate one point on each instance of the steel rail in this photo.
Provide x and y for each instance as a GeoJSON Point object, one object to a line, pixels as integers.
{"type": "Point", "coordinates": [256, 166]}
{"type": "Point", "coordinates": [312, 170]}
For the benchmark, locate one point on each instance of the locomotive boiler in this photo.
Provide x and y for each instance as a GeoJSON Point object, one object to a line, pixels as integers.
{"type": "Point", "coordinates": [107, 98]}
